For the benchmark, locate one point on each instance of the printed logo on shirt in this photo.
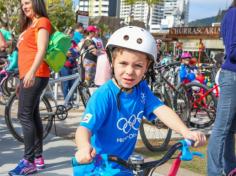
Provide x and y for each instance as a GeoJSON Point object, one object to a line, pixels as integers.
{"type": "Point", "coordinates": [143, 98]}
{"type": "Point", "coordinates": [87, 118]}
{"type": "Point", "coordinates": [127, 124]}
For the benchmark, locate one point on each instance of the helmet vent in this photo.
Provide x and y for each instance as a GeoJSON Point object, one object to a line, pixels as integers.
{"type": "Point", "coordinates": [139, 40]}
{"type": "Point", "coordinates": [126, 37]}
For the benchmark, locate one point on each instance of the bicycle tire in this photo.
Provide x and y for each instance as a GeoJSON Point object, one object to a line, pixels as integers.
{"type": "Point", "coordinates": [10, 84]}
{"type": "Point", "coordinates": [202, 113]}
{"type": "Point", "coordinates": [13, 123]}
{"type": "Point", "coordinates": [84, 94]}
{"type": "Point", "coordinates": [181, 103]}
{"type": "Point", "coordinates": [3, 89]}
{"type": "Point", "coordinates": [162, 134]}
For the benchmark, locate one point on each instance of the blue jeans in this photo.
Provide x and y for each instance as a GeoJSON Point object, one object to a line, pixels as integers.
{"type": "Point", "coordinates": [221, 147]}
{"type": "Point", "coordinates": [66, 85]}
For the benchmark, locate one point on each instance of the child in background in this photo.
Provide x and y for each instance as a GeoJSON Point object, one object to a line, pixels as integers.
{"type": "Point", "coordinates": [114, 112]}
{"type": "Point", "coordinates": [69, 67]}
{"type": "Point", "coordinates": [103, 70]}
{"type": "Point", "coordinates": [186, 75]}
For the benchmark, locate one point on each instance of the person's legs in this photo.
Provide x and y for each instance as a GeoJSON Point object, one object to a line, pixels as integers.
{"type": "Point", "coordinates": [229, 151]}
{"type": "Point", "coordinates": [220, 143]}
{"type": "Point", "coordinates": [90, 70]}
{"type": "Point", "coordinates": [28, 101]}
{"type": "Point", "coordinates": [38, 121]}
{"type": "Point", "coordinates": [32, 128]}
{"type": "Point", "coordinates": [65, 84]}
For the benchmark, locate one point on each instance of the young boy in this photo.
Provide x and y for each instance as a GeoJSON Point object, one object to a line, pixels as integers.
{"type": "Point", "coordinates": [113, 115]}
{"type": "Point", "coordinates": [186, 74]}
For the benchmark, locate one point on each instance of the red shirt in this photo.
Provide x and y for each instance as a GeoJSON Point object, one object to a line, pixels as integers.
{"type": "Point", "coordinates": [27, 47]}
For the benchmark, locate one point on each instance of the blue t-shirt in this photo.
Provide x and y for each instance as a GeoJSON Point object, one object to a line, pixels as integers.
{"type": "Point", "coordinates": [186, 73]}
{"type": "Point", "coordinates": [6, 34]}
{"type": "Point", "coordinates": [115, 132]}
{"type": "Point", "coordinates": [77, 37]}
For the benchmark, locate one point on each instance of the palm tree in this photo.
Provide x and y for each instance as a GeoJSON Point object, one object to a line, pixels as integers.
{"type": "Point", "coordinates": [150, 4]}
{"type": "Point", "coordinates": [131, 3]}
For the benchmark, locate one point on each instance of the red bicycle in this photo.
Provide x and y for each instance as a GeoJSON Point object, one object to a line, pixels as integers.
{"type": "Point", "coordinates": [203, 102]}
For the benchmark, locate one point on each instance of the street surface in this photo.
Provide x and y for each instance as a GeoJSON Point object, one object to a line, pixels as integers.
{"type": "Point", "coordinates": [59, 147]}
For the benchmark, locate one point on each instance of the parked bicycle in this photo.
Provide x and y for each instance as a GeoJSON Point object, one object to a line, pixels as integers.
{"type": "Point", "coordinates": [203, 104]}
{"type": "Point", "coordinates": [50, 108]}
{"type": "Point", "coordinates": [162, 80]}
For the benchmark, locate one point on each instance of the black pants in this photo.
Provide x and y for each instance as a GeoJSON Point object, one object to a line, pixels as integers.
{"type": "Point", "coordinates": [28, 114]}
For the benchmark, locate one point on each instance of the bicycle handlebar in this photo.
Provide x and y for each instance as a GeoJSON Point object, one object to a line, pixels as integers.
{"type": "Point", "coordinates": [100, 163]}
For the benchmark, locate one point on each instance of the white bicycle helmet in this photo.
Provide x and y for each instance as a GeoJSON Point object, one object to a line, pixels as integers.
{"type": "Point", "coordinates": [134, 38]}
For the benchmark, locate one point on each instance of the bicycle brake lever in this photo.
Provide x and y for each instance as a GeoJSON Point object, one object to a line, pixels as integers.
{"type": "Point", "coordinates": [187, 155]}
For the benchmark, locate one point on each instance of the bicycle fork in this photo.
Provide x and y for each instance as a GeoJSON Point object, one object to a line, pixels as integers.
{"type": "Point", "coordinates": [175, 166]}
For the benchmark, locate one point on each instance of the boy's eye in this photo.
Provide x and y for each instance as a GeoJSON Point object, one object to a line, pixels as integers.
{"type": "Point", "coordinates": [139, 65]}
{"type": "Point", "coordinates": [123, 63]}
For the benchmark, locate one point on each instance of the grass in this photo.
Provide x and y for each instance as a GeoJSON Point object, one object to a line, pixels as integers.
{"type": "Point", "coordinates": [197, 165]}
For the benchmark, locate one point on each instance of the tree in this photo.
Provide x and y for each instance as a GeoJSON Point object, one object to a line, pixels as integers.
{"type": "Point", "coordinates": [150, 4]}
{"type": "Point", "coordinates": [61, 13]}
{"type": "Point", "coordinates": [131, 3]}
{"type": "Point", "coordinates": [9, 12]}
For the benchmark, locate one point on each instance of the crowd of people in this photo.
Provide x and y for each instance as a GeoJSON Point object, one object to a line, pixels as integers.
{"type": "Point", "coordinates": [88, 49]}
{"type": "Point", "coordinates": [118, 70]}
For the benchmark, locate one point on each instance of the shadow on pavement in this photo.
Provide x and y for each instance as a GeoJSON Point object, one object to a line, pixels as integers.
{"type": "Point", "coordinates": [57, 153]}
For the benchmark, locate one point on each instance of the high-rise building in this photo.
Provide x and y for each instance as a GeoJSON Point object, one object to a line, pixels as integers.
{"type": "Point", "coordinates": [100, 7]}
{"type": "Point", "coordinates": [166, 14]}
{"type": "Point", "coordinates": [176, 13]}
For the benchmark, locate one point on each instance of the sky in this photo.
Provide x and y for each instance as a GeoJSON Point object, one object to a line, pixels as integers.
{"type": "Point", "coordinates": [203, 8]}
{"type": "Point", "coordinates": [206, 8]}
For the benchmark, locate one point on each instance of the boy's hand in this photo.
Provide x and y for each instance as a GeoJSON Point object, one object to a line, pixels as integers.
{"type": "Point", "coordinates": [197, 136]}
{"type": "Point", "coordinates": [85, 154]}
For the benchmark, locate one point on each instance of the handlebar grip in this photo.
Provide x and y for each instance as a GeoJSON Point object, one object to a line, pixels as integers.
{"type": "Point", "coordinates": [189, 142]}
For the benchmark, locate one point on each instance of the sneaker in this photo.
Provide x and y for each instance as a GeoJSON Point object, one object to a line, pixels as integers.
{"type": "Point", "coordinates": [39, 163]}
{"type": "Point", "coordinates": [232, 172]}
{"type": "Point", "coordinates": [24, 167]}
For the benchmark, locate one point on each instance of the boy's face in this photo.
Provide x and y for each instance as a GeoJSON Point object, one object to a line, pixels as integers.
{"type": "Point", "coordinates": [129, 67]}
{"type": "Point", "coordinates": [186, 61]}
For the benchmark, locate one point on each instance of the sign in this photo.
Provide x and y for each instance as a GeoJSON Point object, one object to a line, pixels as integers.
{"type": "Point", "coordinates": [82, 17]}
{"type": "Point", "coordinates": [195, 31]}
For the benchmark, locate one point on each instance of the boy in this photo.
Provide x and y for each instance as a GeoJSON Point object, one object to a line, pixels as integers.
{"type": "Point", "coordinates": [186, 74]}
{"type": "Point", "coordinates": [114, 112]}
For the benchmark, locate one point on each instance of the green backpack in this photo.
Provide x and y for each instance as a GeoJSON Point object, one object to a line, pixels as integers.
{"type": "Point", "coordinates": [58, 46]}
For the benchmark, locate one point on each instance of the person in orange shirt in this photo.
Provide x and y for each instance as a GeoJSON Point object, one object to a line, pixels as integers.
{"type": "Point", "coordinates": [34, 75]}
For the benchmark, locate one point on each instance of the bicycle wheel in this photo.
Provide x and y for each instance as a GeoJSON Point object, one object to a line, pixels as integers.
{"type": "Point", "coordinates": [84, 94]}
{"type": "Point", "coordinates": [13, 123]}
{"type": "Point", "coordinates": [155, 135]}
{"type": "Point", "coordinates": [181, 103]}
{"type": "Point", "coordinates": [203, 105]}
{"type": "Point", "coordinates": [10, 84]}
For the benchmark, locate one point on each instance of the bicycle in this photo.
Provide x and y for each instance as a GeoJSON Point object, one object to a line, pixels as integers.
{"type": "Point", "coordinates": [101, 165]}
{"type": "Point", "coordinates": [48, 113]}
{"type": "Point", "coordinates": [203, 104]}
{"type": "Point", "coordinates": [155, 135]}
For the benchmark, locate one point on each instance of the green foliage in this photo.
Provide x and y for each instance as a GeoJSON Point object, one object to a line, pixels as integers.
{"type": "Point", "coordinates": [61, 14]}
{"type": "Point", "coordinates": [131, 2]}
{"type": "Point", "coordinates": [150, 3]}
{"type": "Point", "coordinates": [9, 12]}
